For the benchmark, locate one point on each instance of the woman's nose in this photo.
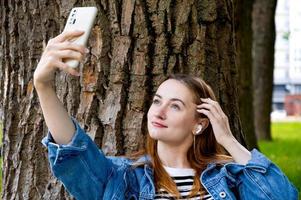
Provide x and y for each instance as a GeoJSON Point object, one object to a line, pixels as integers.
{"type": "Point", "coordinates": [160, 112]}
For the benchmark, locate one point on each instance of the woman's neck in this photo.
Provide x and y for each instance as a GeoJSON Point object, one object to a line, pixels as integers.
{"type": "Point", "coordinates": [172, 156]}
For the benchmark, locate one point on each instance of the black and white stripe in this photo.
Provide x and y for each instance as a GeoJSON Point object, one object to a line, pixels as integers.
{"type": "Point", "coordinates": [184, 181]}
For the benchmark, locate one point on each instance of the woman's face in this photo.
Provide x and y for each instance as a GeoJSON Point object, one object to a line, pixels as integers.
{"type": "Point", "coordinates": [171, 117]}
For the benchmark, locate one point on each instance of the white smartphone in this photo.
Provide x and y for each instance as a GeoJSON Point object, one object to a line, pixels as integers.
{"type": "Point", "coordinates": [80, 18]}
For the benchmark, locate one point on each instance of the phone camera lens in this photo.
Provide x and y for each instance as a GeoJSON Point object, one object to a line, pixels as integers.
{"type": "Point", "coordinates": [74, 21]}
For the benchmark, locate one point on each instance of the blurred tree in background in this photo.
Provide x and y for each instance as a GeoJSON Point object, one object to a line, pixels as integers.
{"type": "Point", "coordinates": [244, 36]}
{"type": "Point", "coordinates": [263, 64]}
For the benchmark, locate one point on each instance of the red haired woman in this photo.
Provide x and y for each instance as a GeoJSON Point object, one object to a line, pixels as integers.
{"type": "Point", "coordinates": [185, 150]}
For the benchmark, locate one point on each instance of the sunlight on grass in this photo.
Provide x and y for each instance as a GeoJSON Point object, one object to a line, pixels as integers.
{"type": "Point", "coordinates": [285, 149]}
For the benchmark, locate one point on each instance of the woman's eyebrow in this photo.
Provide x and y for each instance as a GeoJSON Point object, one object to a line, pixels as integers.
{"type": "Point", "coordinates": [172, 99]}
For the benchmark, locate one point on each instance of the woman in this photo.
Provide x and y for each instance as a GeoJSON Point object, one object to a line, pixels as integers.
{"type": "Point", "coordinates": [184, 156]}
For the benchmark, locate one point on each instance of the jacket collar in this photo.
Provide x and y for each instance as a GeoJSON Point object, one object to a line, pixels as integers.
{"type": "Point", "coordinates": [148, 190]}
{"type": "Point", "coordinates": [143, 159]}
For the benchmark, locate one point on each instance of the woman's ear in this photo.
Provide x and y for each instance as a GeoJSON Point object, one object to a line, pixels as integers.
{"type": "Point", "coordinates": [201, 126]}
{"type": "Point", "coordinates": [204, 122]}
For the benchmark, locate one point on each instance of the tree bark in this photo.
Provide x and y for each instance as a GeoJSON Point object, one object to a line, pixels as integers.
{"type": "Point", "coordinates": [244, 36]}
{"type": "Point", "coordinates": [263, 65]}
{"type": "Point", "coordinates": [134, 45]}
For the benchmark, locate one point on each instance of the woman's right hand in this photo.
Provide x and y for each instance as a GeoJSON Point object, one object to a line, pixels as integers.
{"type": "Point", "coordinates": [58, 49]}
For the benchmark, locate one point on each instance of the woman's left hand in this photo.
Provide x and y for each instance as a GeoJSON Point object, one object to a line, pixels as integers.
{"type": "Point", "coordinates": [219, 121]}
{"type": "Point", "coordinates": [222, 132]}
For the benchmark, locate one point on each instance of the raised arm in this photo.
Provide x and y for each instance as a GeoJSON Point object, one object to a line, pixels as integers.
{"type": "Point", "coordinates": [255, 175]}
{"type": "Point", "coordinates": [73, 156]}
{"type": "Point", "coordinates": [222, 132]}
{"type": "Point", "coordinates": [57, 119]}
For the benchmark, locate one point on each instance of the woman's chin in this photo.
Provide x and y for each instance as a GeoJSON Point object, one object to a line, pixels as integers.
{"type": "Point", "coordinates": [159, 136]}
{"type": "Point", "coordinates": [155, 134]}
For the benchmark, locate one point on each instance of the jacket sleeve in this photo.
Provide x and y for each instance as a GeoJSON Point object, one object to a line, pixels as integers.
{"type": "Point", "coordinates": [261, 179]}
{"type": "Point", "coordinates": [80, 165]}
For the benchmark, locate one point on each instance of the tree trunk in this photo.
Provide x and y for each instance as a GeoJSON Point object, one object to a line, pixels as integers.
{"type": "Point", "coordinates": [134, 45]}
{"type": "Point", "coordinates": [263, 65]}
{"type": "Point", "coordinates": [244, 37]}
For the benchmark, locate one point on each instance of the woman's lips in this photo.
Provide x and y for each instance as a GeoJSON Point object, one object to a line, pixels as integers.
{"type": "Point", "coordinates": [156, 124]}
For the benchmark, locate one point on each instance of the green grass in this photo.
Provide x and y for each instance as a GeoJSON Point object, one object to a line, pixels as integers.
{"type": "Point", "coordinates": [284, 150]}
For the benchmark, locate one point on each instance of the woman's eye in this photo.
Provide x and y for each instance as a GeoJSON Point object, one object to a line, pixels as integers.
{"type": "Point", "coordinates": [175, 106]}
{"type": "Point", "coordinates": [155, 101]}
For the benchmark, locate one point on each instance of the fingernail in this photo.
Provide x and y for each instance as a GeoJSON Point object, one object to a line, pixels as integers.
{"type": "Point", "coordinates": [86, 50]}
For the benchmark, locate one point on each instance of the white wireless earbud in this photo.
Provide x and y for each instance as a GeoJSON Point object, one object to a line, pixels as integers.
{"type": "Point", "coordinates": [199, 130]}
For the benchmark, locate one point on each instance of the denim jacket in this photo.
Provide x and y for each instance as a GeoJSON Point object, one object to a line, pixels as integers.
{"type": "Point", "coordinates": [88, 174]}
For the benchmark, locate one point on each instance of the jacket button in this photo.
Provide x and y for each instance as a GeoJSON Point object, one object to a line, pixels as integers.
{"type": "Point", "coordinates": [222, 194]}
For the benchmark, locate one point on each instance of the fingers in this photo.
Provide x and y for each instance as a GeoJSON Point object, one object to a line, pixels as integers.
{"type": "Point", "coordinates": [61, 42]}
{"type": "Point", "coordinates": [54, 59]}
{"type": "Point", "coordinates": [71, 46]}
{"type": "Point", "coordinates": [213, 104]}
{"type": "Point", "coordinates": [211, 109]}
{"type": "Point", "coordinates": [209, 106]}
{"type": "Point", "coordinates": [207, 113]}
{"type": "Point", "coordinates": [66, 45]}
{"type": "Point", "coordinates": [57, 50]}
{"type": "Point", "coordinates": [63, 66]}
{"type": "Point", "coordinates": [63, 54]}
{"type": "Point", "coordinates": [67, 35]}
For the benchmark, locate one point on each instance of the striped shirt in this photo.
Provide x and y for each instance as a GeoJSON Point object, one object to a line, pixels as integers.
{"type": "Point", "coordinates": [184, 181]}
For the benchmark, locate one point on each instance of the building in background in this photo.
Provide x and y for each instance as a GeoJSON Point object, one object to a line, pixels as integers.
{"type": "Point", "coordinates": [287, 73]}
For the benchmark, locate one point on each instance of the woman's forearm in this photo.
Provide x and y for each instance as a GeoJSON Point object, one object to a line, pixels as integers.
{"type": "Point", "coordinates": [56, 117]}
{"type": "Point", "coordinates": [239, 153]}
{"type": "Point", "coordinates": [57, 50]}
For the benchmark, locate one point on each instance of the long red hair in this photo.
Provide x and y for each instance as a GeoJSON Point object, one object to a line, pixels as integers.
{"type": "Point", "coordinates": [206, 151]}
